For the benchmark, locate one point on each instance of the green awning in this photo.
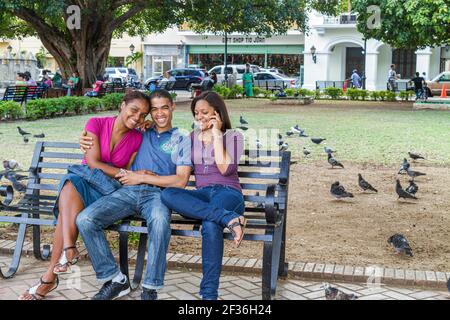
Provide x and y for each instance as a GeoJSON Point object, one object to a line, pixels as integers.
{"type": "Point", "coordinates": [246, 49]}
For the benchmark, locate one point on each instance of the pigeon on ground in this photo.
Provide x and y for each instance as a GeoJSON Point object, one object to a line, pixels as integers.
{"type": "Point", "coordinates": [242, 128]}
{"type": "Point", "coordinates": [402, 193]}
{"type": "Point", "coordinates": [11, 164]}
{"type": "Point", "coordinates": [364, 184]}
{"type": "Point", "coordinates": [259, 145]}
{"type": "Point", "coordinates": [332, 293]}
{"type": "Point", "coordinates": [400, 244]}
{"type": "Point", "coordinates": [289, 133]}
{"type": "Point", "coordinates": [338, 191]}
{"type": "Point", "coordinates": [242, 120]}
{"type": "Point", "coordinates": [404, 166]}
{"type": "Point", "coordinates": [302, 134]}
{"type": "Point", "coordinates": [306, 152]}
{"type": "Point", "coordinates": [415, 156]}
{"type": "Point", "coordinates": [284, 146]}
{"type": "Point", "coordinates": [296, 129]}
{"type": "Point", "coordinates": [317, 140]}
{"type": "Point", "coordinates": [25, 139]}
{"type": "Point", "coordinates": [22, 132]}
{"type": "Point", "coordinates": [412, 188]}
{"type": "Point", "coordinates": [328, 150]}
{"type": "Point", "coordinates": [39, 135]}
{"type": "Point", "coordinates": [414, 174]}
{"type": "Point", "coordinates": [334, 162]}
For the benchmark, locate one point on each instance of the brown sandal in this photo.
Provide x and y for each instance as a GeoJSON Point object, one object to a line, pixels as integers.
{"type": "Point", "coordinates": [33, 290]}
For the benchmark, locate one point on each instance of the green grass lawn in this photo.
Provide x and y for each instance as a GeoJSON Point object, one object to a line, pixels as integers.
{"type": "Point", "coordinates": [359, 131]}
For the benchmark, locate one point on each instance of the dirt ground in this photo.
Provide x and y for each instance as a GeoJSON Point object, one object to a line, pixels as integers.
{"type": "Point", "coordinates": [355, 232]}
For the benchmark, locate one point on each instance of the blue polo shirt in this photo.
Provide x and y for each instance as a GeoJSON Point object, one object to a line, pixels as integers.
{"type": "Point", "coordinates": [162, 152]}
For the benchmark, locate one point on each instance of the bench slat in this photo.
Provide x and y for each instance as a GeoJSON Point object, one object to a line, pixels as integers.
{"type": "Point", "coordinates": [66, 145]}
{"type": "Point", "coordinates": [61, 155]}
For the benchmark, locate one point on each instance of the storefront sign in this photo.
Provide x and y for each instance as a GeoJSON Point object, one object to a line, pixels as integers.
{"type": "Point", "coordinates": [244, 39]}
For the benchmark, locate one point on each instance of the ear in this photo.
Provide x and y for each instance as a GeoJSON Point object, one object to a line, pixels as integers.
{"type": "Point", "coordinates": [174, 106]}
{"type": "Point", "coordinates": [122, 106]}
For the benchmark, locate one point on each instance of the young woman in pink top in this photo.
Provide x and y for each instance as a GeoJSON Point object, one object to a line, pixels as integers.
{"type": "Point", "coordinates": [116, 143]}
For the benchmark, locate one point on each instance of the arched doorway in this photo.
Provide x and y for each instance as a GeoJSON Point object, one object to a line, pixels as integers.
{"type": "Point", "coordinates": [346, 54]}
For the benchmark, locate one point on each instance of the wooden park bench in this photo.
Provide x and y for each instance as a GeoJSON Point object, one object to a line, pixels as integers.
{"type": "Point", "coordinates": [264, 179]}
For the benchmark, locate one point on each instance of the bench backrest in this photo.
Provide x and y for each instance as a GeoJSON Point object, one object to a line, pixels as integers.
{"type": "Point", "coordinates": [15, 93]}
{"type": "Point", "coordinates": [256, 170]}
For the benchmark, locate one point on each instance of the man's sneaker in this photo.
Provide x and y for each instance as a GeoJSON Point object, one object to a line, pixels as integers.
{"type": "Point", "coordinates": [112, 290]}
{"type": "Point", "coordinates": [149, 294]}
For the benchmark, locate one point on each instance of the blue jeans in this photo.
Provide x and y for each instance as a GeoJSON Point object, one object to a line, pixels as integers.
{"type": "Point", "coordinates": [143, 200]}
{"type": "Point", "coordinates": [216, 206]}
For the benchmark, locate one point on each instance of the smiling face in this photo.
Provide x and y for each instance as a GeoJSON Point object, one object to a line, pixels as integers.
{"type": "Point", "coordinates": [134, 112]}
{"type": "Point", "coordinates": [162, 113]}
{"type": "Point", "coordinates": [202, 113]}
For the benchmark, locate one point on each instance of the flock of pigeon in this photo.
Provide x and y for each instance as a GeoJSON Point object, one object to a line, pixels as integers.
{"type": "Point", "coordinates": [25, 135]}
{"type": "Point", "coordinates": [11, 173]}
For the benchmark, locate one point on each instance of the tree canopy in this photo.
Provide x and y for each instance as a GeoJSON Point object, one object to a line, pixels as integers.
{"type": "Point", "coordinates": [407, 23]}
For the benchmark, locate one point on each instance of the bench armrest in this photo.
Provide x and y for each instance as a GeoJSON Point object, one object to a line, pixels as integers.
{"type": "Point", "coordinates": [8, 193]}
{"type": "Point", "coordinates": [270, 208]}
{"type": "Point", "coordinates": [284, 167]}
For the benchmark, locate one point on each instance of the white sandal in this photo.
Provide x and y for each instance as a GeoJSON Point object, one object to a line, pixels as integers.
{"type": "Point", "coordinates": [33, 290]}
{"type": "Point", "coordinates": [65, 263]}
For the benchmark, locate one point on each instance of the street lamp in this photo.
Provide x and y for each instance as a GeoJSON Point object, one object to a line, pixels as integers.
{"type": "Point", "coordinates": [313, 53]}
{"type": "Point", "coordinates": [132, 47]}
{"type": "Point", "coordinates": [9, 48]}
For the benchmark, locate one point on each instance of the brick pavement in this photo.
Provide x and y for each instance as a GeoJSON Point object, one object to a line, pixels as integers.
{"type": "Point", "coordinates": [183, 284]}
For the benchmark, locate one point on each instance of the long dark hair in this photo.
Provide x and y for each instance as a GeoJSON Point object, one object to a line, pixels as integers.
{"type": "Point", "coordinates": [136, 95]}
{"type": "Point", "coordinates": [215, 101]}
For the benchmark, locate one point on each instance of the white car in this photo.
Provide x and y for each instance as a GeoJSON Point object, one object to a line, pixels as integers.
{"type": "Point", "coordinates": [274, 81]}
{"type": "Point", "coordinates": [273, 70]}
{"type": "Point", "coordinates": [124, 74]}
{"type": "Point", "coordinates": [236, 69]}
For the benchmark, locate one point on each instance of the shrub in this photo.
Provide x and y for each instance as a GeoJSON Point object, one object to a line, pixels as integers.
{"type": "Point", "coordinates": [391, 96]}
{"type": "Point", "coordinates": [173, 95]}
{"type": "Point", "coordinates": [112, 101]}
{"type": "Point", "coordinates": [318, 94]}
{"type": "Point", "coordinates": [257, 91]}
{"type": "Point", "coordinates": [375, 95]}
{"type": "Point", "coordinates": [236, 91]}
{"type": "Point", "coordinates": [382, 95]}
{"type": "Point", "coordinates": [334, 93]}
{"type": "Point", "coordinates": [10, 110]}
{"type": "Point", "coordinates": [290, 92]}
{"type": "Point", "coordinates": [352, 93]}
{"type": "Point", "coordinates": [92, 104]}
{"type": "Point", "coordinates": [405, 95]}
{"type": "Point", "coordinates": [305, 93]}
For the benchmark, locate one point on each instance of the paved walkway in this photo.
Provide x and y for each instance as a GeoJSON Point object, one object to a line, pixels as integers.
{"type": "Point", "coordinates": [183, 284]}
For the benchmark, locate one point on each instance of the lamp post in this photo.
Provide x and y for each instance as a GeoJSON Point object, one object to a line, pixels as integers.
{"type": "Point", "coordinates": [364, 52]}
{"type": "Point", "coordinates": [132, 47]}
{"type": "Point", "coordinates": [313, 53]}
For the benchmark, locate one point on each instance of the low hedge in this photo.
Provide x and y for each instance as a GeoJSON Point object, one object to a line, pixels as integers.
{"type": "Point", "coordinates": [10, 110]}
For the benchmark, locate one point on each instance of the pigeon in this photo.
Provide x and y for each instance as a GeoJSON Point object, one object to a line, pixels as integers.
{"type": "Point", "coordinates": [14, 178]}
{"type": "Point", "coordinates": [13, 175]}
{"type": "Point", "coordinates": [364, 184]}
{"type": "Point", "coordinates": [22, 132]}
{"type": "Point", "coordinates": [338, 191]}
{"type": "Point", "coordinates": [11, 164]}
{"type": "Point", "coordinates": [242, 128]}
{"type": "Point", "coordinates": [415, 156]}
{"type": "Point", "coordinates": [402, 193]}
{"type": "Point", "coordinates": [284, 146]}
{"type": "Point", "coordinates": [306, 152]}
{"type": "Point", "coordinates": [334, 162]}
{"type": "Point", "coordinates": [39, 135]}
{"type": "Point", "coordinates": [296, 129]}
{"type": "Point", "coordinates": [332, 293]}
{"type": "Point", "coordinates": [400, 244]}
{"type": "Point", "coordinates": [25, 139]}
{"type": "Point", "coordinates": [328, 150]}
{"type": "Point", "coordinates": [242, 120]}
{"type": "Point", "coordinates": [414, 174]}
{"type": "Point", "coordinates": [259, 145]}
{"type": "Point", "coordinates": [289, 133]}
{"type": "Point", "coordinates": [412, 188]}
{"type": "Point", "coordinates": [404, 167]}
{"type": "Point", "coordinates": [317, 140]}
{"type": "Point", "coordinates": [302, 134]}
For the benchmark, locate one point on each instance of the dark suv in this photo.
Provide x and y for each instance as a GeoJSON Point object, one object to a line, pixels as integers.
{"type": "Point", "coordinates": [184, 78]}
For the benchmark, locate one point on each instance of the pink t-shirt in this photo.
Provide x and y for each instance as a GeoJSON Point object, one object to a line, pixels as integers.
{"type": "Point", "coordinates": [124, 149]}
{"type": "Point", "coordinates": [98, 85]}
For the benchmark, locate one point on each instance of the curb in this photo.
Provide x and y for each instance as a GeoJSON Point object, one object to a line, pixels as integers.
{"type": "Point", "coordinates": [296, 270]}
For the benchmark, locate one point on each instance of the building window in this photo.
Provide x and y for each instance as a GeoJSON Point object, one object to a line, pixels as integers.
{"type": "Point", "coordinates": [405, 62]}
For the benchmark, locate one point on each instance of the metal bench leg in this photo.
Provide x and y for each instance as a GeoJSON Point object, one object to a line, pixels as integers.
{"type": "Point", "coordinates": [140, 261]}
{"type": "Point", "coordinates": [271, 260]}
{"type": "Point", "coordinates": [283, 265]}
{"type": "Point", "coordinates": [38, 254]}
{"type": "Point", "coordinates": [123, 251]}
{"type": "Point", "coordinates": [17, 253]}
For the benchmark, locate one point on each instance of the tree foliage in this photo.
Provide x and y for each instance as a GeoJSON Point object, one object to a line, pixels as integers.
{"type": "Point", "coordinates": [407, 23]}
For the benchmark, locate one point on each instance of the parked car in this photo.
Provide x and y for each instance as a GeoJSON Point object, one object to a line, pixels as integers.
{"type": "Point", "coordinates": [184, 78]}
{"type": "Point", "coordinates": [272, 70]}
{"type": "Point", "coordinates": [237, 69]}
{"type": "Point", "coordinates": [436, 84]}
{"type": "Point", "coordinates": [124, 74]}
{"type": "Point", "coordinates": [273, 81]}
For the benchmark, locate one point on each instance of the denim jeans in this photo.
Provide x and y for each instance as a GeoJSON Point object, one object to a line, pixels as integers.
{"type": "Point", "coordinates": [129, 200]}
{"type": "Point", "coordinates": [216, 206]}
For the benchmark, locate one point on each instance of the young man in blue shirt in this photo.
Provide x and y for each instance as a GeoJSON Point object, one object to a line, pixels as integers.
{"type": "Point", "coordinates": [163, 160]}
